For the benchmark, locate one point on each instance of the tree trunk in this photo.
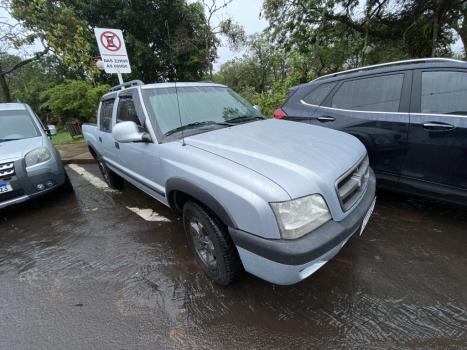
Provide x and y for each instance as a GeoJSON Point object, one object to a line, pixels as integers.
{"type": "Point", "coordinates": [462, 31]}
{"type": "Point", "coordinates": [4, 86]}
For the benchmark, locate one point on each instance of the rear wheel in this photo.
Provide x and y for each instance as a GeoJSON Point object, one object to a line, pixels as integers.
{"type": "Point", "coordinates": [211, 244]}
{"type": "Point", "coordinates": [113, 180]}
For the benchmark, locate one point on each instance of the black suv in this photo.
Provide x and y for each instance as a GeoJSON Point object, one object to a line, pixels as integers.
{"type": "Point", "coordinates": [411, 116]}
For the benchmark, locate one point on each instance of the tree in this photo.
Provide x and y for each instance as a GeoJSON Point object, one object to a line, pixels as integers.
{"type": "Point", "coordinates": [73, 100]}
{"type": "Point", "coordinates": [406, 29]}
{"type": "Point", "coordinates": [158, 33]}
{"type": "Point", "coordinates": [234, 33]}
{"type": "Point", "coordinates": [13, 37]}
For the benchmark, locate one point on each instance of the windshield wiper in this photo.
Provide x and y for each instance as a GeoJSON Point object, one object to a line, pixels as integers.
{"type": "Point", "coordinates": [244, 118]}
{"type": "Point", "coordinates": [195, 124]}
{"type": "Point", "coordinates": [6, 140]}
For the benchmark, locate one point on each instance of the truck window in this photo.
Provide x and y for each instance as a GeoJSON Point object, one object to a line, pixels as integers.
{"type": "Point", "coordinates": [381, 93]}
{"type": "Point", "coordinates": [105, 119]}
{"type": "Point", "coordinates": [126, 111]}
{"type": "Point", "coordinates": [317, 95]}
{"type": "Point", "coordinates": [444, 93]}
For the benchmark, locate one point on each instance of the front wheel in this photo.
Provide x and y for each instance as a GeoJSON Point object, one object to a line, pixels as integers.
{"type": "Point", "coordinates": [211, 244]}
{"type": "Point", "coordinates": [113, 180]}
{"type": "Point", "coordinates": [67, 186]}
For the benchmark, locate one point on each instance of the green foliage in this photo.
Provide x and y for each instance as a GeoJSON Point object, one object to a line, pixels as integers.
{"type": "Point", "coordinates": [73, 100]}
{"type": "Point", "coordinates": [57, 25]}
{"type": "Point", "coordinates": [28, 83]}
{"type": "Point", "coordinates": [63, 137]}
{"type": "Point", "coordinates": [159, 34]}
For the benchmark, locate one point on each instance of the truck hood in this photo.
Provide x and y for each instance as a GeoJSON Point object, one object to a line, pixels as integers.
{"type": "Point", "coordinates": [301, 158]}
{"type": "Point", "coordinates": [12, 150]}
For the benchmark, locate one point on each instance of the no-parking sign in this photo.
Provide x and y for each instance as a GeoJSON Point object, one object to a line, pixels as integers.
{"type": "Point", "coordinates": [112, 49]}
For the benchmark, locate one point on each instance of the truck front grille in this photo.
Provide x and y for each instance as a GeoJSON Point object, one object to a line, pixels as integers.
{"type": "Point", "coordinates": [7, 170]}
{"type": "Point", "coordinates": [351, 186]}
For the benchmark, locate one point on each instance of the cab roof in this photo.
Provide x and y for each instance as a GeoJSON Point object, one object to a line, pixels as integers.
{"type": "Point", "coordinates": [140, 84]}
{"type": "Point", "coordinates": [12, 107]}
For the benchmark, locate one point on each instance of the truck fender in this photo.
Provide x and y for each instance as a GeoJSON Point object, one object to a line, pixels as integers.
{"type": "Point", "coordinates": [175, 185]}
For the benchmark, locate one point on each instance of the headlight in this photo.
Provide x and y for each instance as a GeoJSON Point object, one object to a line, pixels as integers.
{"type": "Point", "coordinates": [300, 216]}
{"type": "Point", "coordinates": [39, 155]}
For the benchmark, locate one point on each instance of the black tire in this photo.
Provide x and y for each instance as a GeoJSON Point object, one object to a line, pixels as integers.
{"type": "Point", "coordinates": [113, 180]}
{"type": "Point", "coordinates": [67, 186]}
{"type": "Point", "coordinates": [226, 266]}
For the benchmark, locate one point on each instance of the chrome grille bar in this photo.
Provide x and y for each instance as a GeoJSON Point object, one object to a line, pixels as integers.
{"type": "Point", "coordinates": [351, 186]}
{"type": "Point", "coordinates": [7, 169]}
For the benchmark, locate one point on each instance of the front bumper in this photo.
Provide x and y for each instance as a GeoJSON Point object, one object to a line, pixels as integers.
{"type": "Point", "coordinates": [24, 181]}
{"type": "Point", "coordinates": [290, 261]}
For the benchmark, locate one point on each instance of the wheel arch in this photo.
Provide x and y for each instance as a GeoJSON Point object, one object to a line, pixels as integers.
{"type": "Point", "coordinates": [179, 190]}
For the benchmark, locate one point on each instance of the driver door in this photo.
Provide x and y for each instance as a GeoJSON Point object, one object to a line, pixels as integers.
{"type": "Point", "coordinates": [140, 162]}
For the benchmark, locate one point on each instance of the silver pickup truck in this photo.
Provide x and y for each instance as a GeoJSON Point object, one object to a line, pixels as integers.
{"type": "Point", "coordinates": [30, 166]}
{"type": "Point", "coordinates": [275, 198]}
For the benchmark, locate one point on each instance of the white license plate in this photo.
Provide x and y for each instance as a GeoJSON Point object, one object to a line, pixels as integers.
{"type": "Point", "coordinates": [367, 216]}
{"type": "Point", "coordinates": [5, 187]}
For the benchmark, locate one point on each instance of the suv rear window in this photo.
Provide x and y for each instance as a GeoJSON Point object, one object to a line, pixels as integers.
{"type": "Point", "coordinates": [382, 94]}
{"type": "Point", "coordinates": [317, 95]}
{"type": "Point", "coordinates": [444, 93]}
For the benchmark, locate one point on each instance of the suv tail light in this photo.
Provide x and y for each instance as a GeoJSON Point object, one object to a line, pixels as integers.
{"type": "Point", "coordinates": [280, 114]}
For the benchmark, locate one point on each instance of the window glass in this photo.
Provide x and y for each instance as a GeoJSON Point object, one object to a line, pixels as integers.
{"type": "Point", "coordinates": [444, 93]}
{"type": "Point", "coordinates": [380, 94]}
{"type": "Point", "coordinates": [16, 125]}
{"type": "Point", "coordinates": [126, 111]}
{"type": "Point", "coordinates": [106, 115]}
{"type": "Point", "coordinates": [196, 104]}
{"type": "Point", "coordinates": [317, 95]}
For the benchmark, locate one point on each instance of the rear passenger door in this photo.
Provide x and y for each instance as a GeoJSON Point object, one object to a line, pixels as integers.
{"type": "Point", "coordinates": [373, 108]}
{"type": "Point", "coordinates": [105, 137]}
{"type": "Point", "coordinates": [437, 142]}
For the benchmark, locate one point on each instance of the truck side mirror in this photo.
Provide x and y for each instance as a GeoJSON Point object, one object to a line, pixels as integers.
{"type": "Point", "coordinates": [51, 130]}
{"type": "Point", "coordinates": [126, 132]}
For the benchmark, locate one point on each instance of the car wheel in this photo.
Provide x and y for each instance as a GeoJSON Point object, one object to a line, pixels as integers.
{"type": "Point", "coordinates": [67, 186]}
{"type": "Point", "coordinates": [211, 244]}
{"type": "Point", "coordinates": [113, 180]}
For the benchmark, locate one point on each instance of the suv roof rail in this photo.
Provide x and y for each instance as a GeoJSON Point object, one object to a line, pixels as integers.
{"type": "Point", "coordinates": [389, 64]}
{"type": "Point", "coordinates": [126, 85]}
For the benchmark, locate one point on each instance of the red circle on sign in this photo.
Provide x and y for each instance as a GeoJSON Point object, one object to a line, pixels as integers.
{"type": "Point", "coordinates": [111, 41]}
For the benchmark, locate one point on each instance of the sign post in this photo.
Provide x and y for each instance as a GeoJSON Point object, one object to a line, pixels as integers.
{"type": "Point", "coordinates": [113, 51]}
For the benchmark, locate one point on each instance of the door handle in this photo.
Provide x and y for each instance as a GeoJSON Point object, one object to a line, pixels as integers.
{"type": "Point", "coordinates": [117, 146]}
{"type": "Point", "coordinates": [438, 126]}
{"type": "Point", "coordinates": [100, 139]}
{"type": "Point", "coordinates": [326, 119]}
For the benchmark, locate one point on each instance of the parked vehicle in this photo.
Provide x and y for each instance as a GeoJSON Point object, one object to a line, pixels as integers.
{"type": "Point", "coordinates": [272, 197]}
{"type": "Point", "coordinates": [30, 166]}
{"type": "Point", "coordinates": [411, 116]}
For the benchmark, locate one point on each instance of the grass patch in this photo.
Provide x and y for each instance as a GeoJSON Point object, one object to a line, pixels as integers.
{"type": "Point", "coordinates": [64, 138]}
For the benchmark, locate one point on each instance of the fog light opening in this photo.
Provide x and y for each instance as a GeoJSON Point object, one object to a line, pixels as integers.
{"type": "Point", "coordinates": [40, 187]}
{"type": "Point", "coordinates": [50, 183]}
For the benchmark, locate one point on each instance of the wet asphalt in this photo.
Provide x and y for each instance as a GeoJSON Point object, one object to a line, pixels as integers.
{"type": "Point", "coordinates": [81, 271]}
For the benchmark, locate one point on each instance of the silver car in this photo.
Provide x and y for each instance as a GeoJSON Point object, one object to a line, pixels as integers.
{"type": "Point", "coordinates": [30, 166]}
{"type": "Point", "coordinates": [276, 198]}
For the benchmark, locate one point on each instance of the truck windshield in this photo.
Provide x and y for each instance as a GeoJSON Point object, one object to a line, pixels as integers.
{"type": "Point", "coordinates": [200, 107]}
{"type": "Point", "coordinates": [16, 125]}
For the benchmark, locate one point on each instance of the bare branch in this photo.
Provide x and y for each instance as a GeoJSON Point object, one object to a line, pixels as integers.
{"type": "Point", "coordinates": [22, 63]}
